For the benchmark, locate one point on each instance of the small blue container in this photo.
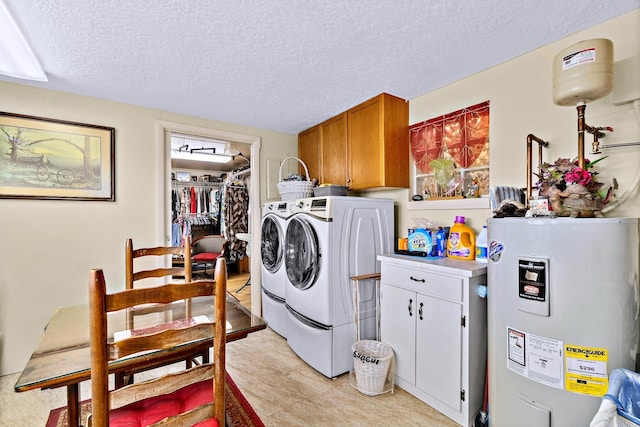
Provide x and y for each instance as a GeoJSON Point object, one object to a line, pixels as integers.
{"type": "Point", "coordinates": [441, 242]}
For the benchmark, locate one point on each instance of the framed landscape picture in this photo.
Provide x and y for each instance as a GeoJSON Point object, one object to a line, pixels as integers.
{"type": "Point", "coordinates": [44, 158]}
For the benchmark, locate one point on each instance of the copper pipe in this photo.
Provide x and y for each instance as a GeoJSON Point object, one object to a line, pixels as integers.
{"type": "Point", "coordinates": [541, 143]}
{"type": "Point", "coordinates": [529, 167]}
{"type": "Point", "coordinates": [595, 131]}
{"type": "Point", "coordinates": [581, 128]}
{"type": "Point", "coordinates": [595, 145]}
{"type": "Point", "coordinates": [597, 134]}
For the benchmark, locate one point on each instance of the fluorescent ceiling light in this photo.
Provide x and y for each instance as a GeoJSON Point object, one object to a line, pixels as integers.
{"type": "Point", "coordinates": [201, 157]}
{"type": "Point", "coordinates": [16, 57]}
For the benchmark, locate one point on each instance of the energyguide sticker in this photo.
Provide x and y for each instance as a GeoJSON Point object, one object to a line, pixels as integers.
{"type": "Point", "coordinates": [586, 370]}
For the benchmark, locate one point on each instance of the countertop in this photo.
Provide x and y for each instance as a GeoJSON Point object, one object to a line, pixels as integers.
{"type": "Point", "coordinates": [449, 266]}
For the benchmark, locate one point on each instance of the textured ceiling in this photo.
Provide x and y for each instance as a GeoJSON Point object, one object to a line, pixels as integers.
{"type": "Point", "coordinates": [284, 65]}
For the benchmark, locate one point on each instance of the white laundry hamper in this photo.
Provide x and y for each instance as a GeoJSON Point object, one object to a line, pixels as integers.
{"type": "Point", "coordinates": [373, 364]}
{"type": "Point", "coordinates": [620, 407]}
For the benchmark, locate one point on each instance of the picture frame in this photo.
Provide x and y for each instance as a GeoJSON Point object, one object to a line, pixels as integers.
{"type": "Point", "coordinates": [43, 158]}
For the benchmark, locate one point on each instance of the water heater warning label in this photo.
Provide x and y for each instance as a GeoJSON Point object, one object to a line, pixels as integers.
{"type": "Point", "coordinates": [535, 357]}
{"type": "Point", "coordinates": [532, 279]}
{"type": "Point", "coordinates": [586, 370]}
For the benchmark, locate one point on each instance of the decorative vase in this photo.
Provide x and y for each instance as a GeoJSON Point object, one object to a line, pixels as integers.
{"type": "Point", "coordinates": [575, 201]}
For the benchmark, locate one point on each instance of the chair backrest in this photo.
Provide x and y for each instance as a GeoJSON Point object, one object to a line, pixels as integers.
{"type": "Point", "coordinates": [211, 243]}
{"type": "Point", "coordinates": [104, 350]}
{"type": "Point", "coordinates": [131, 254]}
{"type": "Point", "coordinates": [131, 276]}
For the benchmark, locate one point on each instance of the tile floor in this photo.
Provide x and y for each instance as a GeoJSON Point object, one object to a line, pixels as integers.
{"type": "Point", "coordinates": [282, 388]}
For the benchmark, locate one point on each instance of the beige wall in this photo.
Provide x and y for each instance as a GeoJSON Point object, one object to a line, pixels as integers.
{"type": "Point", "coordinates": [520, 92]}
{"type": "Point", "coordinates": [48, 247]}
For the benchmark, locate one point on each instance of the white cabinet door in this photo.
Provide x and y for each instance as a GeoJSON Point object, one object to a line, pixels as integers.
{"type": "Point", "coordinates": [439, 349]}
{"type": "Point", "coordinates": [398, 326]}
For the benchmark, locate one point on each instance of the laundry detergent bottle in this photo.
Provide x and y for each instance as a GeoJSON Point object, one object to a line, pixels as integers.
{"type": "Point", "coordinates": [462, 241]}
{"type": "Point", "coordinates": [481, 245]}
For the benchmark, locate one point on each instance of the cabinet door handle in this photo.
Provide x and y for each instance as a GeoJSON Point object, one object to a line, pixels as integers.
{"type": "Point", "coordinates": [410, 307]}
{"type": "Point", "coordinates": [417, 280]}
{"type": "Point", "coordinates": [420, 311]}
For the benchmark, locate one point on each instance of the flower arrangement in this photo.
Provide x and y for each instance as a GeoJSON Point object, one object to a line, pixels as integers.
{"type": "Point", "coordinates": [564, 172]}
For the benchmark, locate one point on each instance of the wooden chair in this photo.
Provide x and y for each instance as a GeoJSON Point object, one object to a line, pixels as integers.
{"type": "Point", "coordinates": [182, 398]}
{"type": "Point", "coordinates": [132, 278]}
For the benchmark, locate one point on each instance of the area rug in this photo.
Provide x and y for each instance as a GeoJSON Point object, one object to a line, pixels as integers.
{"type": "Point", "coordinates": [240, 413]}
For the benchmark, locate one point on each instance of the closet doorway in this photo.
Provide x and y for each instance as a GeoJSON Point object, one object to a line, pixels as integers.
{"type": "Point", "coordinates": [193, 146]}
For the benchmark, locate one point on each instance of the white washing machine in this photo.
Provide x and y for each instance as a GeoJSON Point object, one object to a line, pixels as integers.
{"type": "Point", "coordinates": [274, 277]}
{"type": "Point", "coordinates": [329, 240]}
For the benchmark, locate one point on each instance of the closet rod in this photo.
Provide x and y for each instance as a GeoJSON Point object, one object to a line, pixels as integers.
{"type": "Point", "coordinates": [196, 184]}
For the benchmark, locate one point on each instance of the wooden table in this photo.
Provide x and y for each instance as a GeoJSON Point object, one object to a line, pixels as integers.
{"type": "Point", "coordinates": [62, 357]}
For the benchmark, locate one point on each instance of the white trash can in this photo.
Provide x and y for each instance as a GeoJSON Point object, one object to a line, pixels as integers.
{"type": "Point", "coordinates": [372, 361]}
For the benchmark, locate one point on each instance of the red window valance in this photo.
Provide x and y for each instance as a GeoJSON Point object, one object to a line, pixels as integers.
{"type": "Point", "coordinates": [464, 134]}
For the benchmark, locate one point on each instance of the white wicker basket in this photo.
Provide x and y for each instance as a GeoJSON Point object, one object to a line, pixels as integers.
{"type": "Point", "coordinates": [371, 360]}
{"type": "Point", "coordinates": [291, 190]}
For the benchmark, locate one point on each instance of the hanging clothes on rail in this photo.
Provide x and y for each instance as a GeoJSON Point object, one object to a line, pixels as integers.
{"type": "Point", "coordinates": [235, 219]}
{"type": "Point", "coordinates": [193, 210]}
{"type": "Point", "coordinates": [215, 204]}
{"type": "Point", "coordinates": [194, 201]}
{"type": "Point", "coordinates": [175, 205]}
{"type": "Point", "coordinates": [176, 231]}
{"type": "Point", "coordinates": [185, 200]}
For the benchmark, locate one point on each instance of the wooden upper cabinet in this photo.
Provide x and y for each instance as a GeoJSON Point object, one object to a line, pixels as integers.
{"type": "Point", "coordinates": [333, 150]}
{"type": "Point", "coordinates": [363, 148]}
{"type": "Point", "coordinates": [309, 152]}
{"type": "Point", "coordinates": [378, 136]}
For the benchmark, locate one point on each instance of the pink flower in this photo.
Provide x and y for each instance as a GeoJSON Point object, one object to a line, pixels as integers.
{"type": "Point", "coordinates": [578, 176]}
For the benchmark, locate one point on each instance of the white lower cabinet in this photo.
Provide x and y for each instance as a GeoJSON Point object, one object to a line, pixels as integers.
{"type": "Point", "coordinates": [433, 318]}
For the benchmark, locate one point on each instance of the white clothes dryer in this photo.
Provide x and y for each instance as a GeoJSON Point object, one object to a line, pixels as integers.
{"type": "Point", "coordinates": [274, 277]}
{"type": "Point", "coordinates": [328, 241]}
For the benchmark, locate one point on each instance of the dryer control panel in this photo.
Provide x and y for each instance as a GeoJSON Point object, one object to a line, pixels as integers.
{"type": "Point", "coordinates": [317, 206]}
{"type": "Point", "coordinates": [278, 208]}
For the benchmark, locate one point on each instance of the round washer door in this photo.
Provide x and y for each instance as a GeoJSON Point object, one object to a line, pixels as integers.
{"type": "Point", "coordinates": [301, 254]}
{"type": "Point", "coordinates": [271, 248]}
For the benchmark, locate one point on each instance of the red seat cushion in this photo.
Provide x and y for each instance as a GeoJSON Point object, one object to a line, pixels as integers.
{"type": "Point", "coordinates": [154, 409]}
{"type": "Point", "coordinates": [206, 256]}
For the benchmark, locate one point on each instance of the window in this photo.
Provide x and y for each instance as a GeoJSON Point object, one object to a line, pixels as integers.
{"type": "Point", "coordinates": [451, 154]}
